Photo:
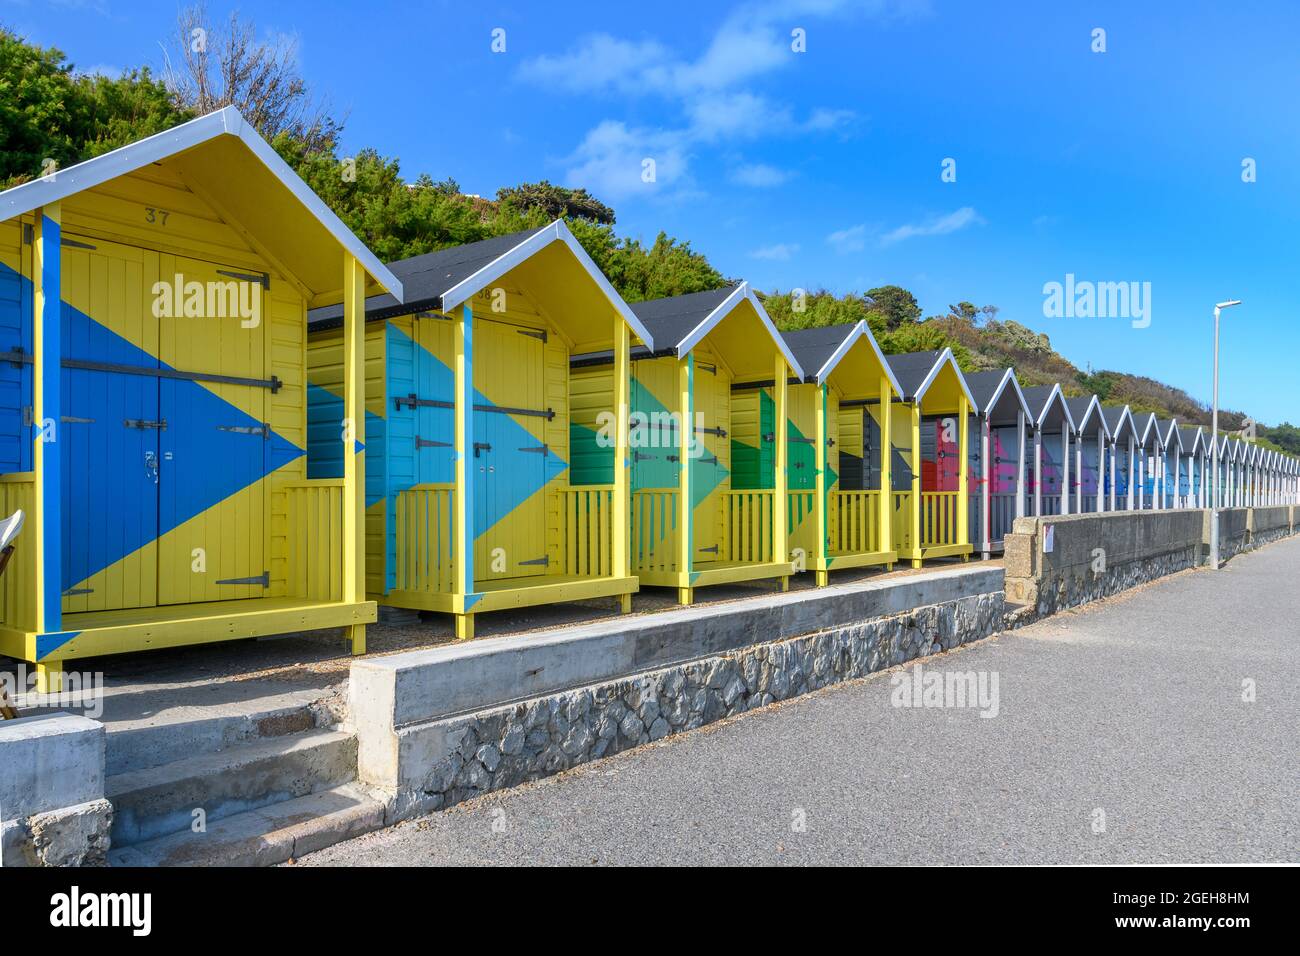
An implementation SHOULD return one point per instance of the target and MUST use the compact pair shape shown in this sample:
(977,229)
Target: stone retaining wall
(1058,562)
(435,763)
(1096,555)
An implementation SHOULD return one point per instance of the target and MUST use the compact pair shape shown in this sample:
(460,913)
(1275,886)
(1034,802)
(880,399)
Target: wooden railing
(425,526)
(1002,512)
(18,585)
(586,516)
(654,529)
(747,525)
(314,559)
(854,522)
(939,517)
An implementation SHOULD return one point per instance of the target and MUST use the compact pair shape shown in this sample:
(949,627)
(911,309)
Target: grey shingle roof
(1078,407)
(812,348)
(1036,396)
(672,319)
(911,368)
(426,277)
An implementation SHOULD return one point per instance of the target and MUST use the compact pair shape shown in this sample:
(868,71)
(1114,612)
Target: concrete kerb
(52,791)
(439,725)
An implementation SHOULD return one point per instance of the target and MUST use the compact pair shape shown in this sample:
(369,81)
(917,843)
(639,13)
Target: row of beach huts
(223,417)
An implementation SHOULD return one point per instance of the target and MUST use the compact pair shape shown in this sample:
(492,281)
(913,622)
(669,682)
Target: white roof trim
(742,292)
(1125,412)
(1146,430)
(1008,376)
(859,330)
(152,149)
(1054,395)
(944,356)
(471,285)
(1173,432)
(1095,403)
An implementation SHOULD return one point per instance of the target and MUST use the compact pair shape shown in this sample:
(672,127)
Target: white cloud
(938,226)
(824,119)
(760,175)
(610,159)
(709,90)
(599,63)
(852,239)
(780,252)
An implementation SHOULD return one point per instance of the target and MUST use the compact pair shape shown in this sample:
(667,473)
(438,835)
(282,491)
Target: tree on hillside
(210,67)
(51,114)
(976,315)
(667,267)
(556,202)
(817,309)
(895,307)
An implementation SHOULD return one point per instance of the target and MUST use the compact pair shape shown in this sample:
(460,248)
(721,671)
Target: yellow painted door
(709,460)
(510,452)
(108,435)
(216,445)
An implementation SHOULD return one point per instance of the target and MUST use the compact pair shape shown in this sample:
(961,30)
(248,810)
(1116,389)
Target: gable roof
(441,280)
(1118,417)
(997,388)
(1145,425)
(916,371)
(820,350)
(1045,398)
(678,323)
(1168,432)
(1085,410)
(1193,436)
(211,151)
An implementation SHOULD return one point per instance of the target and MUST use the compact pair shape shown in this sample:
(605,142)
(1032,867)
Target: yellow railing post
(686,539)
(354,437)
(619,517)
(463,554)
(916,484)
(780,524)
(820,502)
(963,471)
(886,503)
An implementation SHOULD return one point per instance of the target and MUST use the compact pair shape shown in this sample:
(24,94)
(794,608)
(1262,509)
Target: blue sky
(823,168)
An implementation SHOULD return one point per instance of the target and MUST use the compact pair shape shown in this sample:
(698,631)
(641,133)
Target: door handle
(151,465)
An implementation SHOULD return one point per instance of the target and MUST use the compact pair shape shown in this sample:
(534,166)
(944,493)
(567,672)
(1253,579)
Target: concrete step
(155,801)
(264,837)
(162,727)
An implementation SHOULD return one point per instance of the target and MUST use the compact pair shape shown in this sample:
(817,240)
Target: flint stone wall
(437,763)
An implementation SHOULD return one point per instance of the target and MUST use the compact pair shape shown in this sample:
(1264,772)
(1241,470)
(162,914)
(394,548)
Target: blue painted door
(109,433)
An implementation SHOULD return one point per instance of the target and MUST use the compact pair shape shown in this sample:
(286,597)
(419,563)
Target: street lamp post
(1214,427)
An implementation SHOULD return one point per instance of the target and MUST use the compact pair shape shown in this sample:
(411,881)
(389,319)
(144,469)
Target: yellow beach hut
(710,522)
(472,499)
(154,306)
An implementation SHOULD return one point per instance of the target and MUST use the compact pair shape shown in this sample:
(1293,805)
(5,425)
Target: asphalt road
(1132,708)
